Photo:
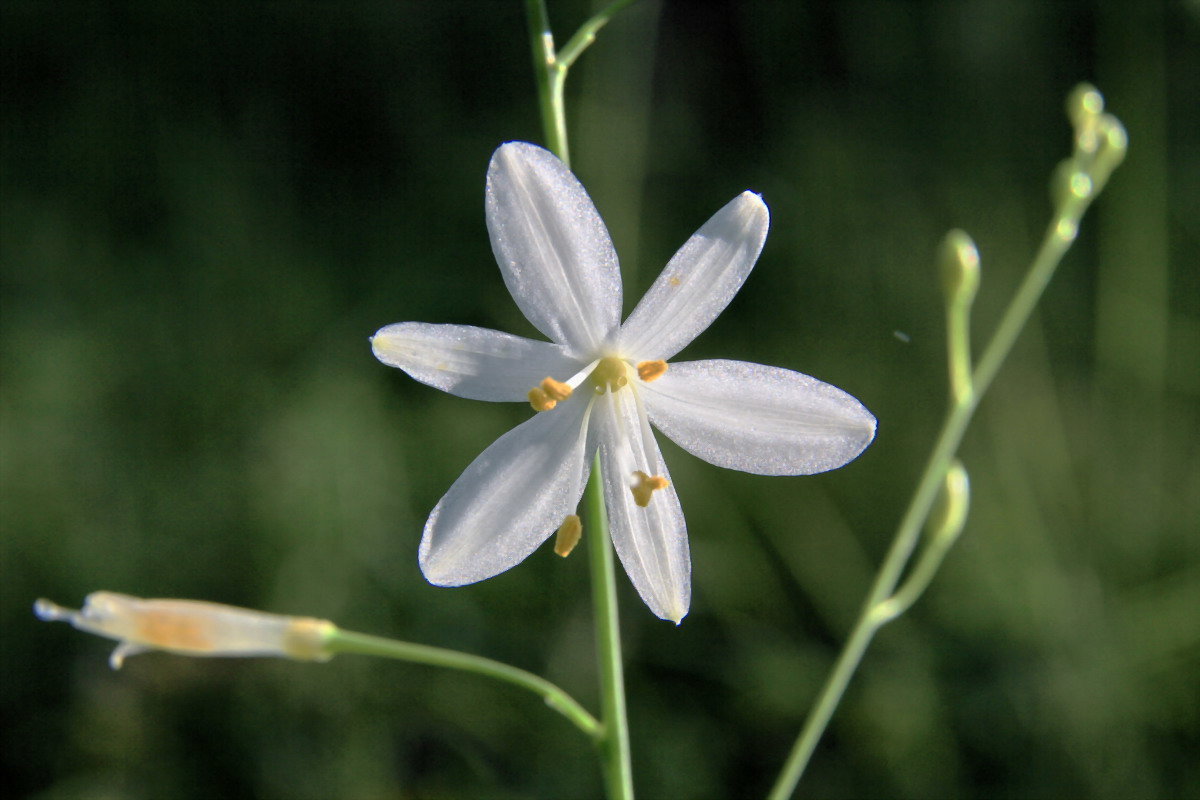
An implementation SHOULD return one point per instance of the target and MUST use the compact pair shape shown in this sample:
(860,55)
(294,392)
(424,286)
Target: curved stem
(586,34)
(340,641)
(1057,240)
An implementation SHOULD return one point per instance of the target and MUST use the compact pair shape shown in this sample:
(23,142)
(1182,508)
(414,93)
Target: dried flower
(192,628)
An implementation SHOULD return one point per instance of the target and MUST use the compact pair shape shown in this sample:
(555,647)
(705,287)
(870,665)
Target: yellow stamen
(651,370)
(646,486)
(609,375)
(546,396)
(568,535)
(556,390)
(540,400)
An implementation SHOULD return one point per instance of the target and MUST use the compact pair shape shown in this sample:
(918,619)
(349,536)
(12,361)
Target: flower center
(609,375)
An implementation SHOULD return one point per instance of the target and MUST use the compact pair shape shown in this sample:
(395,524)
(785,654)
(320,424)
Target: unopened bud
(1084,104)
(959,263)
(950,516)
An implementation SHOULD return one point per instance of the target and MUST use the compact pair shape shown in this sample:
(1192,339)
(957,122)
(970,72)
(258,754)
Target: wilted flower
(192,628)
(559,264)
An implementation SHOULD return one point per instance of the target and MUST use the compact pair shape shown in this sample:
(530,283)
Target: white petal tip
(753,203)
(674,615)
(440,575)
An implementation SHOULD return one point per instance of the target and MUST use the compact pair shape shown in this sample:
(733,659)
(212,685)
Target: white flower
(192,628)
(599,384)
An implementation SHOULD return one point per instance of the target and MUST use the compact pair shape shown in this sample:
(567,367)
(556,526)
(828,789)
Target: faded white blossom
(192,628)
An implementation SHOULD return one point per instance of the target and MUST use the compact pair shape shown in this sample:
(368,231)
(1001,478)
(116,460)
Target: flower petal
(475,363)
(555,254)
(509,501)
(699,281)
(753,418)
(652,541)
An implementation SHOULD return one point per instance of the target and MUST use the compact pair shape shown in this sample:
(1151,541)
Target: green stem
(1058,239)
(586,34)
(550,75)
(550,67)
(614,745)
(550,71)
(341,641)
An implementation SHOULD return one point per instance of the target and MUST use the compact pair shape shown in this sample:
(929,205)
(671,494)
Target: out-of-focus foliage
(208,208)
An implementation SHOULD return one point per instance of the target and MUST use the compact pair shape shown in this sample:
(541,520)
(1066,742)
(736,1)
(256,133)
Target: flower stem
(550,67)
(550,71)
(1100,146)
(340,641)
(550,75)
(614,744)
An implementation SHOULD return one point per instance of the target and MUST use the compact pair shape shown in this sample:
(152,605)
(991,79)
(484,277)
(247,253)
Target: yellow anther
(609,375)
(546,396)
(540,400)
(646,486)
(556,390)
(568,535)
(651,370)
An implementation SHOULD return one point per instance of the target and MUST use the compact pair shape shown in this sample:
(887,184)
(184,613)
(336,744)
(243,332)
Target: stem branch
(1100,146)
(341,641)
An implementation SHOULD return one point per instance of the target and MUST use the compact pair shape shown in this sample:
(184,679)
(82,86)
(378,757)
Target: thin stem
(958,330)
(614,744)
(587,32)
(550,67)
(550,71)
(1058,239)
(341,641)
(550,75)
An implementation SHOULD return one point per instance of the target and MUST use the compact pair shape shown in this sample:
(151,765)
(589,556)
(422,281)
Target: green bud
(1069,182)
(948,519)
(959,264)
(1083,104)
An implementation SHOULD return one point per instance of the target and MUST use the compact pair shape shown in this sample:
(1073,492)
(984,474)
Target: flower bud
(959,262)
(1084,102)
(950,515)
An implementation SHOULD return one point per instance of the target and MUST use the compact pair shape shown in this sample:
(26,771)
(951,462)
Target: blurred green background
(207,208)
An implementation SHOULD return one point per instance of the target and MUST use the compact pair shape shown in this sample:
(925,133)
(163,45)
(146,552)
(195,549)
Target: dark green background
(207,208)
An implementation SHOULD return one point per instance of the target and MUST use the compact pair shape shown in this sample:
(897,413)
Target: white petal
(555,254)
(765,420)
(509,501)
(651,542)
(475,363)
(699,281)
